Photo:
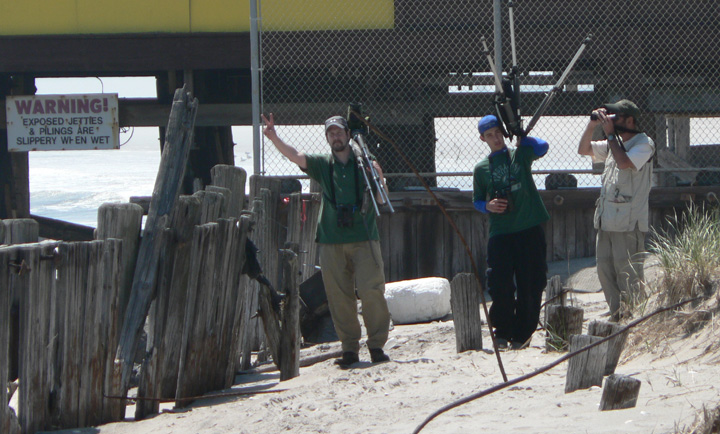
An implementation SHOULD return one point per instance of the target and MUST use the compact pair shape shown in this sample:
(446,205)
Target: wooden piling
(586,369)
(465,303)
(620,391)
(122,221)
(234,179)
(212,205)
(178,141)
(20,231)
(289,354)
(9,422)
(160,369)
(561,322)
(615,345)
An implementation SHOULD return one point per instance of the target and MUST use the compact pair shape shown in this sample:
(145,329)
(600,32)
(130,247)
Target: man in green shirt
(350,256)
(503,187)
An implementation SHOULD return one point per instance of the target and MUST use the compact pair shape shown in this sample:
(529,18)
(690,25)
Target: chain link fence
(419,70)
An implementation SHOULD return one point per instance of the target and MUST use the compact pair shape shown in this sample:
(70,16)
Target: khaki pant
(620,257)
(344,268)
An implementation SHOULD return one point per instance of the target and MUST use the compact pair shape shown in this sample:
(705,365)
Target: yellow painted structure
(73,17)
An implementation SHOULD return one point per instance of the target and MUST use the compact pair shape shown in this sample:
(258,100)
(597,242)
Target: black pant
(517,258)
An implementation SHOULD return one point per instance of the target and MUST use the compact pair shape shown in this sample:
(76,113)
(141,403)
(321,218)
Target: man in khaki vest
(621,216)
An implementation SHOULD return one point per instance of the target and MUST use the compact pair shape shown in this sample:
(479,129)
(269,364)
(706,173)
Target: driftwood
(212,205)
(178,141)
(561,323)
(586,369)
(620,391)
(465,303)
(615,345)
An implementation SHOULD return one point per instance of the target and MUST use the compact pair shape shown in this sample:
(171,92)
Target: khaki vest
(623,202)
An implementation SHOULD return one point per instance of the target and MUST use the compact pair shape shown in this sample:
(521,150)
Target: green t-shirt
(348,185)
(508,171)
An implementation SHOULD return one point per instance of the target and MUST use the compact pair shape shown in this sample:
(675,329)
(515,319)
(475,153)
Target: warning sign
(59,122)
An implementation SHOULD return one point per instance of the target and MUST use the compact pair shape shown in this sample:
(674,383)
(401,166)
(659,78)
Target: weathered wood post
(8,420)
(234,179)
(122,221)
(555,293)
(17,231)
(37,338)
(615,345)
(160,370)
(20,231)
(212,205)
(289,354)
(586,369)
(178,141)
(561,323)
(465,303)
(620,391)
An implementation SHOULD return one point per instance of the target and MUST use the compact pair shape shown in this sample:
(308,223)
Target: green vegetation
(689,254)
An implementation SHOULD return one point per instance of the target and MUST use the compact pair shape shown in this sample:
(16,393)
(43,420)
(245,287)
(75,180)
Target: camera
(594,117)
(345,216)
(504,194)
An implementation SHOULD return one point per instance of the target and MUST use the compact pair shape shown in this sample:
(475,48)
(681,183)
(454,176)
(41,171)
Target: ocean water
(71,185)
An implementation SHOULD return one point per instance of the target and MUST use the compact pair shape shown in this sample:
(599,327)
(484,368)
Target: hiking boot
(378,356)
(347,359)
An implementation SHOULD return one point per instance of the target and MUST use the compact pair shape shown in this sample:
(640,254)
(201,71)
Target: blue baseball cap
(489,121)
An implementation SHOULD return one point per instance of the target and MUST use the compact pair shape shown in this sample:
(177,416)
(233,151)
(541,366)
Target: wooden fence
(72,296)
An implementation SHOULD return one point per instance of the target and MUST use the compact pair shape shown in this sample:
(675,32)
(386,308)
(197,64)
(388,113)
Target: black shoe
(502,344)
(517,345)
(378,356)
(347,359)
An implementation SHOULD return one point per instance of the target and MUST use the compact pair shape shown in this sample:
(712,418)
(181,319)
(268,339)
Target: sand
(678,377)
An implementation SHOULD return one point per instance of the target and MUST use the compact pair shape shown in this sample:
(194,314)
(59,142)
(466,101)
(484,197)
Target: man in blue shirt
(503,187)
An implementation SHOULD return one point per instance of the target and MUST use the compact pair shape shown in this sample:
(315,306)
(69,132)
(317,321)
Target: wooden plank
(212,205)
(233,178)
(190,371)
(34,320)
(465,299)
(167,188)
(586,369)
(289,354)
(9,422)
(71,292)
(113,271)
(122,221)
(238,327)
(226,195)
(5,302)
(92,362)
(160,370)
(63,231)
(615,345)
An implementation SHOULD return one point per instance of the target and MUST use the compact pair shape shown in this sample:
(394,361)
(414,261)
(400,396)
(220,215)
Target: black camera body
(504,193)
(345,215)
